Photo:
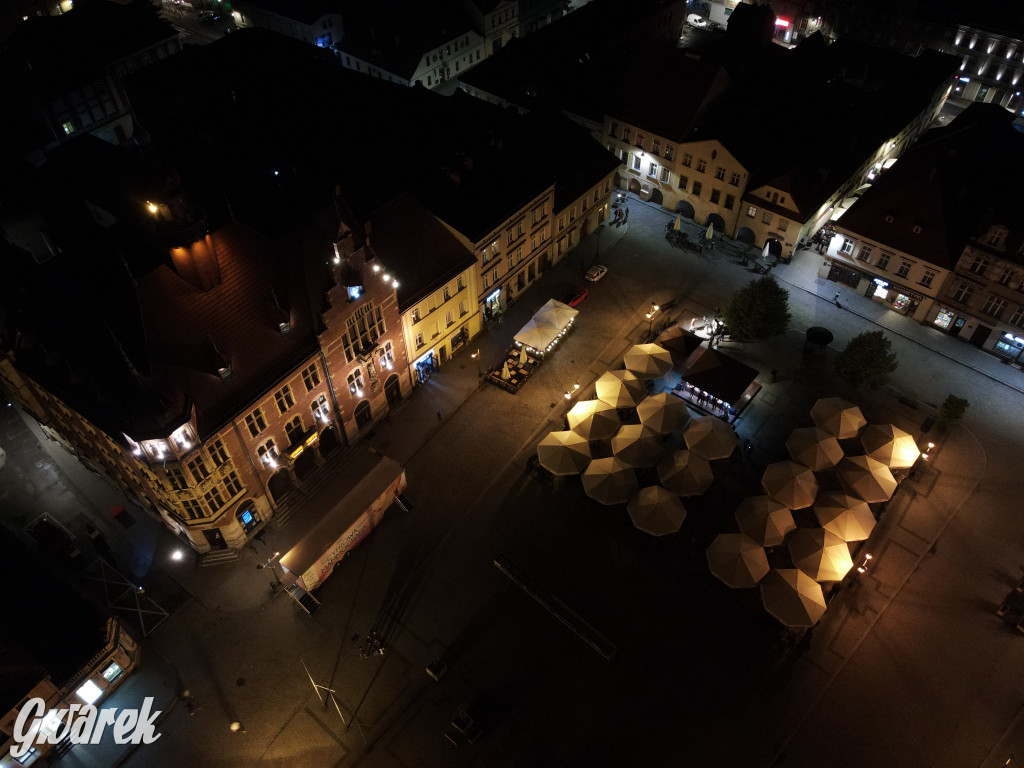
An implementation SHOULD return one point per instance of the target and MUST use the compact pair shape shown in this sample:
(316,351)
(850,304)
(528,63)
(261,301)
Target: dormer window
(224,371)
(284,328)
(354,292)
(995,237)
(183,437)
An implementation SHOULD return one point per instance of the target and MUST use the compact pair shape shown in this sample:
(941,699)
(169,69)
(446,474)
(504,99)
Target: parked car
(697,21)
(575,296)
(595,273)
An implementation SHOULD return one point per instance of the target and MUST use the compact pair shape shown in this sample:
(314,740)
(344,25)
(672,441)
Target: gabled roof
(304,11)
(571,63)
(417,249)
(396,34)
(581,161)
(188,329)
(640,99)
(57,54)
(945,185)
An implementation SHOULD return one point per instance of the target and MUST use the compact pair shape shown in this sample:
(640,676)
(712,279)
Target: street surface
(909,667)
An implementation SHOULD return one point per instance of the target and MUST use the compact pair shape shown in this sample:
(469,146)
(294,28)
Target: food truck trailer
(372,482)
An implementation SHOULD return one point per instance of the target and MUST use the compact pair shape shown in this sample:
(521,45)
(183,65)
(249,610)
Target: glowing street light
(570,392)
(476,357)
(650,320)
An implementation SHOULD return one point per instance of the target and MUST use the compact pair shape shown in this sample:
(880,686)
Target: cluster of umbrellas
(818,555)
(794,595)
(657,510)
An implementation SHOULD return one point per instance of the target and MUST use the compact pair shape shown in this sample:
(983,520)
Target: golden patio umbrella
(609,481)
(564,453)
(793,484)
(890,445)
(737,560)
(522,355)
(663,412)
(637,445)
(593,419)
(820,554)
(838,417)
(686,473)
(656,511)
(867,478)
(648,360)
(623,389)
(710,437)
(793,597)
(846,516)
(765,520)
(814,448)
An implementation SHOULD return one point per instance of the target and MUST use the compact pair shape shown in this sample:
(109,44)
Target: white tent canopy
(546,326)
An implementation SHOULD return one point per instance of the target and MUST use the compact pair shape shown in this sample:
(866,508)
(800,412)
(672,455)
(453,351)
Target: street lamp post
(476,357)
(271,563)
(650,321)
(570,392)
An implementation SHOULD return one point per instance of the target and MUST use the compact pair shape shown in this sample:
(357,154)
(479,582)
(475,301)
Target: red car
(576,296)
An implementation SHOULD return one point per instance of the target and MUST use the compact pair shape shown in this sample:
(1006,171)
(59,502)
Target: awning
(546,326)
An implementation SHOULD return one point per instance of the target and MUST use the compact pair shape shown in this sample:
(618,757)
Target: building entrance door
(215,538)
(980,335)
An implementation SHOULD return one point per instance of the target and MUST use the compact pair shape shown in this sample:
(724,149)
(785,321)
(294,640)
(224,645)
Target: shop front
(949,320)
(894,296)
(1010,347)
(425,366)
(492,306)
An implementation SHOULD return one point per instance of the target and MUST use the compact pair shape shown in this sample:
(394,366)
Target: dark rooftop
(945,186)
(395,34)
(305,11)
(418,249)
(60,53)
(57,632)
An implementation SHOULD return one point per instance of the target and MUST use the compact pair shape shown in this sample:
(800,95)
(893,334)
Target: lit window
(355,382)
(68,127)
(89,692)
(751,212)
(112,672)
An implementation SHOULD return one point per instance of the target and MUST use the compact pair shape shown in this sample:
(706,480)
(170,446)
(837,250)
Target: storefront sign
(82,724)
(881,283)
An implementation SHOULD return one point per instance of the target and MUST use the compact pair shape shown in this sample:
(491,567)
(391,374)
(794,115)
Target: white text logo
(83,724)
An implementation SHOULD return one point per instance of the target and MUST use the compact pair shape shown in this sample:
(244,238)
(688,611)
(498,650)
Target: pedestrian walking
(693,322)
(836,298)
(625,217)
(439,416)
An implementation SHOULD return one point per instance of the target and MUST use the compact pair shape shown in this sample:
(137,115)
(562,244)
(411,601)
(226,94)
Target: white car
(595,273)
(697,21)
